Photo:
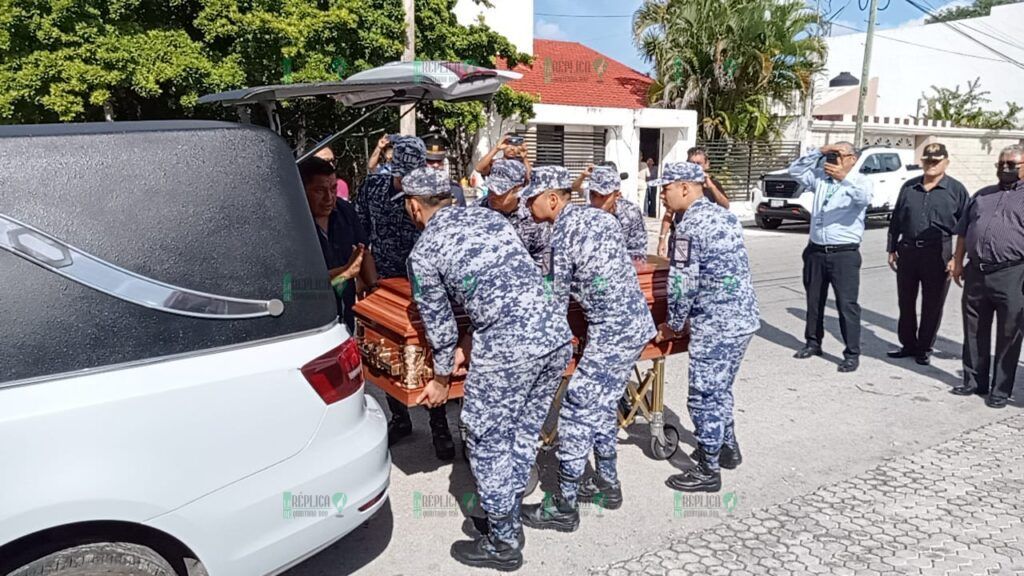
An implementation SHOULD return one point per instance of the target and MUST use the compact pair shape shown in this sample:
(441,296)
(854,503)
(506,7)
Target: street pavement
(879,471)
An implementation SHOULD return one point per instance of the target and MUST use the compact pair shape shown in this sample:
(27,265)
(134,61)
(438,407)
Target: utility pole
(865,75)
(408,124)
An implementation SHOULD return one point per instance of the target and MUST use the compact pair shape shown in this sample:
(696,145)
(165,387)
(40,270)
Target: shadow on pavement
(357,549)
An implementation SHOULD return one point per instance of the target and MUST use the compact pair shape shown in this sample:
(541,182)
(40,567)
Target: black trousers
(438,415)
(997,294)
(921,270)
(841,270)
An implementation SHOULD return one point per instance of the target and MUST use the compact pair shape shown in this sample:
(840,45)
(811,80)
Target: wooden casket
(396,354)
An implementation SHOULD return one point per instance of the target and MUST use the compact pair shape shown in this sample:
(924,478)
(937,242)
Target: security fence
(739,166)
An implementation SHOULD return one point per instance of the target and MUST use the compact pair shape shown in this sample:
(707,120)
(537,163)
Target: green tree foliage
(737,63)
(89,60)
(978,8)
(965,108)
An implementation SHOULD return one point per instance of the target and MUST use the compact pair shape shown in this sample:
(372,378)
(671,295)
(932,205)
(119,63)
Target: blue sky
(584,21)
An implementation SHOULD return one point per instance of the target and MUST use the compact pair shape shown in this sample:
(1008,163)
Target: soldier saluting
(520,348)
(709,285)
(590,263)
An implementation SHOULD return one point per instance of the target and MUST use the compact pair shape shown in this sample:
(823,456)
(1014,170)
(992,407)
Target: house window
(550,148)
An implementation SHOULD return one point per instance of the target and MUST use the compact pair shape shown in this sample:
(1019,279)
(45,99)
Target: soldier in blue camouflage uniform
(605,194)
(709,286)
(506,179)
(591,265)
(392,236)
(520,348)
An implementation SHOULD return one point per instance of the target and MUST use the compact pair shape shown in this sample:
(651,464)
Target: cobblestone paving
(953,509)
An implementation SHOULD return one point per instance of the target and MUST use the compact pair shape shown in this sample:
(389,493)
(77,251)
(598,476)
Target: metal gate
(553,145)
(739,166)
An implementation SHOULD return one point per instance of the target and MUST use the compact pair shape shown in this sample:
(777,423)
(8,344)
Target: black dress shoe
(602,493)
(807,352)
(398,428)
(923,359)
(487,552)
(964,390)
(849,365)
(899,353)
(700,478)
(993,402)
(552,514)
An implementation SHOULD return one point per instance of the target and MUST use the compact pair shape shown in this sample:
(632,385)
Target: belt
(830,248)
(926,243)
(987,268)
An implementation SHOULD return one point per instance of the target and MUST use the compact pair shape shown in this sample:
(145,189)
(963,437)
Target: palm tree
(733,61)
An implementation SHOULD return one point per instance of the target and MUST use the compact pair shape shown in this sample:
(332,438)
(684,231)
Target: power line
(968,36)
(1000,60)
(996,35)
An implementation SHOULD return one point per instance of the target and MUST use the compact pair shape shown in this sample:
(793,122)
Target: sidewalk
(953,509)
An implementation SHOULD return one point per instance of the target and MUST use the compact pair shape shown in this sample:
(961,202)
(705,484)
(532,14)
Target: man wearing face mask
(991,233)
(920,250)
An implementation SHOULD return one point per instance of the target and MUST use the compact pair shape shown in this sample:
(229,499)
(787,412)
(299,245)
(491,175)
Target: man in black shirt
(991,235)
(342,238)
(920,250)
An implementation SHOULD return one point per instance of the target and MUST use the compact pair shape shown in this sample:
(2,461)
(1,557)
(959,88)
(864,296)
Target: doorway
(650,147)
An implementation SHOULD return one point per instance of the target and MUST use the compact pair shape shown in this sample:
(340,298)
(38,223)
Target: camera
(832,158)
(514,140)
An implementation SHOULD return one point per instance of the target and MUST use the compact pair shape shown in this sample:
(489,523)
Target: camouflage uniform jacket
(591,265)
(633,228)
(709,282)
(471,256)
(392,234)
(536,236)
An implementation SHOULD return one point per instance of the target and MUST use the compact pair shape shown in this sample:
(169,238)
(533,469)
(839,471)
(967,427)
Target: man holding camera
(832,257)
(512,147)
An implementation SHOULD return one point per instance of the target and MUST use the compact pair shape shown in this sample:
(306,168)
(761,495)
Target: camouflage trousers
(587,419)
(714,363)
(503,410)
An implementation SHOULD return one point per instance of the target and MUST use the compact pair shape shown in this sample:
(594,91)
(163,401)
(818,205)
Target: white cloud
(920,20)
(548,30)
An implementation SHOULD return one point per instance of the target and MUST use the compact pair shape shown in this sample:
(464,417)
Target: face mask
(1007,179)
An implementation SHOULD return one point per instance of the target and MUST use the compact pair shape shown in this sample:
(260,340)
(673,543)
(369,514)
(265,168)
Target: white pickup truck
(781,198)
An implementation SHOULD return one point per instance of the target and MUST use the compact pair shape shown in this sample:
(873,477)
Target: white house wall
(906,71)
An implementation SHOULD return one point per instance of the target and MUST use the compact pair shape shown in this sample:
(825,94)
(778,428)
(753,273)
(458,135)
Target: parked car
(781,198)
(176,393)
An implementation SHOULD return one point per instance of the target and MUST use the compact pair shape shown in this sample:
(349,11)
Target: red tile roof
(572,74)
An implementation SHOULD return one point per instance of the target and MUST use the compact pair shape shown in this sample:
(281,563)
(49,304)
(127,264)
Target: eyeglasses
(1008,166)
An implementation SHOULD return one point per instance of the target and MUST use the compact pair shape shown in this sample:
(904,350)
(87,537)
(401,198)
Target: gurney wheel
(666,450)
(533,480)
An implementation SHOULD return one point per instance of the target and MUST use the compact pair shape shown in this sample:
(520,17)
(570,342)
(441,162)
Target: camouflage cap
(425,182)
(604,180)
(505,175)
(546,178)
(409,153)
(680,172)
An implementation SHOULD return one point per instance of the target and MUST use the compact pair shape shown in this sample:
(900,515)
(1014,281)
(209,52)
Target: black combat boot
(729,458)
(598,490)
(444,448)
(490,550)
(700,478)
(554,513)
(400,425)
(601,493)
